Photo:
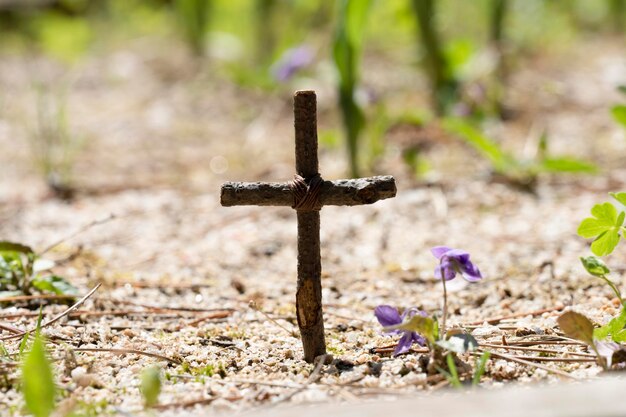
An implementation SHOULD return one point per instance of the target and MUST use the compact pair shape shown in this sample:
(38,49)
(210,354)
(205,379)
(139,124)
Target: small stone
(486,331)
(343,365)
(77,372)
(327,358)
(288,354)
(222,405)
(130,333)
(523,331)
(84,379)
(374,368)
(404,370)
(361,359)
(88,380)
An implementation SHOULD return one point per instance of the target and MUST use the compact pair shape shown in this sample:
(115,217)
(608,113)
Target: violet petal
(387,315)
(459,255)
(439,251)
(448,271)
(471,272)
(419,339)
(404,344)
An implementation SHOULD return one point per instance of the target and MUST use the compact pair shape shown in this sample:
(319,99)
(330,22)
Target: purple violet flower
(291,61)
(389,316)
(453,261)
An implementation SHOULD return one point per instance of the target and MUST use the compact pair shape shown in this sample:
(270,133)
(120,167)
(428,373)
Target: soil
(211,290)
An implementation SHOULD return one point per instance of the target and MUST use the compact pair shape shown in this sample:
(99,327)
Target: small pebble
(130,333)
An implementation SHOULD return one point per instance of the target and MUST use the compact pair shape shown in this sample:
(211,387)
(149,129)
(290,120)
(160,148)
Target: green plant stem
(618,294)
(443,85)
(497,17)
(599,357)
(266,39)
(617,8)
(497,11)
(453,377)
(445,307)
(480,368)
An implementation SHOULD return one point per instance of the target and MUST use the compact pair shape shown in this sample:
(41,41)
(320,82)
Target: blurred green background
(456,55)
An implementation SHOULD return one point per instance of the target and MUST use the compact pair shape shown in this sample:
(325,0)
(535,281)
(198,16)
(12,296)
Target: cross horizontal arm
(334,193)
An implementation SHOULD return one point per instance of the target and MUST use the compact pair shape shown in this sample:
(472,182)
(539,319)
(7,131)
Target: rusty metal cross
(307,194)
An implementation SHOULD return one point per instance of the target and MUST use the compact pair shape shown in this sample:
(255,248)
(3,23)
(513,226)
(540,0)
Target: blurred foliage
(38,384)
(194,17)
(150,385)
(521,172)
(466,49)
(440,71)
(619,111)
(346,51)
(53,146)
(21,270)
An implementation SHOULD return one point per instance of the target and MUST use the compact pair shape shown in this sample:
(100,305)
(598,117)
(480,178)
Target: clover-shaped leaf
(619,114)
(613,328)
(604,227)
(621,197)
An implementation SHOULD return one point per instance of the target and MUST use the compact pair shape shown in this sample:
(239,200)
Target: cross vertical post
(307,194)
(309,287)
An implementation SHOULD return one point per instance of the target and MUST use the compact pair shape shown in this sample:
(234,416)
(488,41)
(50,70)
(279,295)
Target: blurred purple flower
(453,261)
(389,316)
(291,61)
(606,350)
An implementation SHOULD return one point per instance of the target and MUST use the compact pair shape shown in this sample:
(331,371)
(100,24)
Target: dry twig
(78,232)
(56,318)
(129,351)
(529,363)
(530,349)
(495,320)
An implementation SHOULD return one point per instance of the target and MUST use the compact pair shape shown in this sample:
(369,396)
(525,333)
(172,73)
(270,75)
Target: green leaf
(602,332)
(54,284)
(604,226)
(500,160)
(620,336)
(23,343)
(556,165)
(595,266)
(64,37)
(6,246)
(348,39)
(37,381)
(621,197)
(422,325)
(614,327)
(619,114)
(453,377)
(479,370)
(576,326)
(459,343)
(605,243)
(346,52)
(151,386)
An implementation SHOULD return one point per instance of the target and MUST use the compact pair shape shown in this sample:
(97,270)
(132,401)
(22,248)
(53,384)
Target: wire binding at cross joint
(306,193)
